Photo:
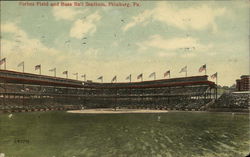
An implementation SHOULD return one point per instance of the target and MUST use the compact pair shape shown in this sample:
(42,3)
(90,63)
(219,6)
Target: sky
(109,41)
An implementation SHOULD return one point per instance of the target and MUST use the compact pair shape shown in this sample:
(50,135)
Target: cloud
(141,18)
(84,26)
(22,41)
(80,26)
(19,46)
(157,41)
(12,28)
(66,13)
(164,54)
(196,18)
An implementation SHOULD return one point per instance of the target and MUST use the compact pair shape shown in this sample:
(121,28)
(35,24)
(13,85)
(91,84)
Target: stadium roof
(34,79)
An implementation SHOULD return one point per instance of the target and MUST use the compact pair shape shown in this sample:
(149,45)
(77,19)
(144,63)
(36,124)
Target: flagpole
(186,71)
(55,72)
(0,54)
(217,79)
(40,69)
(130,78)
(23,67)
(23,86)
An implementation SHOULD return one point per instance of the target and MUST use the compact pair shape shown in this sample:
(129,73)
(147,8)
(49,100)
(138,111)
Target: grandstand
(233,101)
(31,92)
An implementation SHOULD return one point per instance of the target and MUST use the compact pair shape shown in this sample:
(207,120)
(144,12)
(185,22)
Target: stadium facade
(32,92)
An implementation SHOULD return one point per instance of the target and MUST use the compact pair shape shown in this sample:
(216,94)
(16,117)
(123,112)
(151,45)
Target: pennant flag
(3,61)
(38,67)
(202,68)
(65,72)
(152,75)
(20,64)
(128,77)
(214,75)
(139,76)
(100,78)
(184,69)
(83,75)
(167,73)
(114,79)
(76,75)
(54,69)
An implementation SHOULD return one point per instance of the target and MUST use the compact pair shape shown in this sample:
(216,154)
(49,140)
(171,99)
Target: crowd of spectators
(35,97)
(233,101)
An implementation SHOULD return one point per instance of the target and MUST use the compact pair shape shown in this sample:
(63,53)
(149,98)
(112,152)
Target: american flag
(20,64)
(214,75)
(2,61)
(65,72)
(139,76)
(54,69)
(167,73)
(128,77)
(38,67)
(152,74)
(184,69)
(203,67)
(100,78)
(83,76)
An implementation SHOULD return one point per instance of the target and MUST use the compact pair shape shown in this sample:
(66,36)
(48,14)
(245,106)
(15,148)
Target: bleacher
(237,100)
(24,91)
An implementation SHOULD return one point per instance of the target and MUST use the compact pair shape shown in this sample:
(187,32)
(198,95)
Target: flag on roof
(152,74)
(114,79)
(65,72)
(139,76)
(38,67)
(214,75)
(3,61)
(128,77)
(203,67)
(83,75)
(20,64)
(184,69)
(54,69)
(167,73)
(100,78)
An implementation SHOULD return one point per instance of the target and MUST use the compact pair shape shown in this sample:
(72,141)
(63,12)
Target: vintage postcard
(124,78)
